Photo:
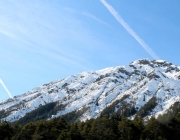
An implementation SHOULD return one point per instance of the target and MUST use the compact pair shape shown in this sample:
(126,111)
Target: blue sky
(45,40)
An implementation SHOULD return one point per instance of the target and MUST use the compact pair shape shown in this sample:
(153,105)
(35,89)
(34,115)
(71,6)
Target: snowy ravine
(92,92)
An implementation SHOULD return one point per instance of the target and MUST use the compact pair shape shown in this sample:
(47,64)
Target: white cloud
(129,29)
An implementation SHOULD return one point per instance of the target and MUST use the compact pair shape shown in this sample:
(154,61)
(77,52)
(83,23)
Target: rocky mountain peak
(144,87)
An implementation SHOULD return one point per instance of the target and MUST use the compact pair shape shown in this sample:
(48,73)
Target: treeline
(102,128)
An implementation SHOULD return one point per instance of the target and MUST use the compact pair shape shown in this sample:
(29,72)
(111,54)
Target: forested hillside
(102,128)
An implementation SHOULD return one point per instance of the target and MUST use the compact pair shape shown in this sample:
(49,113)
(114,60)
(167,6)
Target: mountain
(142,88)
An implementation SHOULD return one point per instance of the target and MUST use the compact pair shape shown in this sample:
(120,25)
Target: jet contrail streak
(2,83)
(129,30)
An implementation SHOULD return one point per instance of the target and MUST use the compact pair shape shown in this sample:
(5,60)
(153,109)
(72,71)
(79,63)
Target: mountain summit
(142,88)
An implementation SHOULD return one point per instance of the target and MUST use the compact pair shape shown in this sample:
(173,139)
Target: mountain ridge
(144,87)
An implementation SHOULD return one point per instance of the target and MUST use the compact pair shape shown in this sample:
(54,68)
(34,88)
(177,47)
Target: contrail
(2,83)
(96,18)
(129,29)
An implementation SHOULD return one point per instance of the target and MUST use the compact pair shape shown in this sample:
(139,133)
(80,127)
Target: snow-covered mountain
(126,90)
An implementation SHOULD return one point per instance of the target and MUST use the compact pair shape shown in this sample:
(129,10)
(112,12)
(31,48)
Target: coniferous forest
(102,128)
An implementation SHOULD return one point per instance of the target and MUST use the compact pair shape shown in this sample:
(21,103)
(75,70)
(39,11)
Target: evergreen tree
(6,131)
(153,130)
(64,136)
(27,132)
(127,130)
(74,132)
(16,130)
(174,128)
(103,129)
(139,127)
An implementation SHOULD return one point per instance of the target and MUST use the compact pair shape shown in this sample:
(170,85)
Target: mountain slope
(143,88)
